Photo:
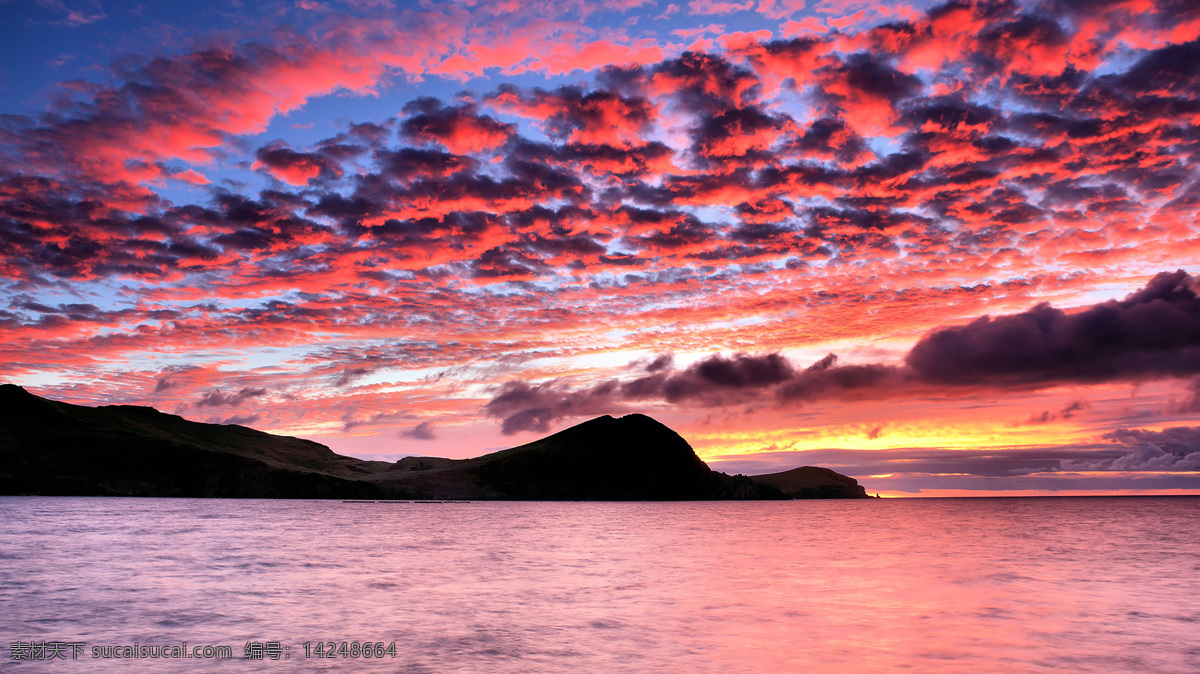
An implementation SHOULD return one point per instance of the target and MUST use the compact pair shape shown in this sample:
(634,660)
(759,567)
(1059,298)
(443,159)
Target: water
(947,585)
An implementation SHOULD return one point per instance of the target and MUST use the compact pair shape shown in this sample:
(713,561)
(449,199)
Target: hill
(55,448)
(606,459)
(813,482)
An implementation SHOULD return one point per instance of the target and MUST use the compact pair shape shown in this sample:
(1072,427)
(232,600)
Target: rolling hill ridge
(55,448)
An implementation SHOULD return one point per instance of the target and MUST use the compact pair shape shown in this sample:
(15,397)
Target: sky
(947,249)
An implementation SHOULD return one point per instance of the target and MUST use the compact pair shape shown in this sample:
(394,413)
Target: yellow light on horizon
(931,435)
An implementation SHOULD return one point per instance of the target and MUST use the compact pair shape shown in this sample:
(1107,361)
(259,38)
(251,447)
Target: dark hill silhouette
(627,459)
(813,482)
(55,448)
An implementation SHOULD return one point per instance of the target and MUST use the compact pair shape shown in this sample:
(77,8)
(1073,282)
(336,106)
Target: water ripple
(1081,585)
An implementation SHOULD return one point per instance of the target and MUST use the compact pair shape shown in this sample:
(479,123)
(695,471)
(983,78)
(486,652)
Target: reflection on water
(955,585)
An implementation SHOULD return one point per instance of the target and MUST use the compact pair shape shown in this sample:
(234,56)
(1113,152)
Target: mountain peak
(7,390)
(631,458)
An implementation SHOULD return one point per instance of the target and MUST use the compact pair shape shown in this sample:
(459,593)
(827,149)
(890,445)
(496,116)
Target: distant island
(55,448)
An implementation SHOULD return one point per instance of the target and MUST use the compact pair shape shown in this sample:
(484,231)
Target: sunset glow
(947,249)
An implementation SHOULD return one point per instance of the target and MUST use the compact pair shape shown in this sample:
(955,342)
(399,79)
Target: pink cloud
(780,9)
(710,7)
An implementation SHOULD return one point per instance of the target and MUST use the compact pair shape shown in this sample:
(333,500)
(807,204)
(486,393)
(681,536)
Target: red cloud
(295,168)
(191,176)
(1029,152)
(460,129)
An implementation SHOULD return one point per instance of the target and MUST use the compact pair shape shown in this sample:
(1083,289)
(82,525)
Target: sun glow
(972,436)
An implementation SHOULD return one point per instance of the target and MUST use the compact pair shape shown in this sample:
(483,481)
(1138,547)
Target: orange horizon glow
(1035,493)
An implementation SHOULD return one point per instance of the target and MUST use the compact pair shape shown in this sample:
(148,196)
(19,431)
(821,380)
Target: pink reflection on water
(956,585)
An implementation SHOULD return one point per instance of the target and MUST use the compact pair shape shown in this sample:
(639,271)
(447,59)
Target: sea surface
(938,585)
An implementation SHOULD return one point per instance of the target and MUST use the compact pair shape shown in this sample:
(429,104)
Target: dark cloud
(1191,404)
(460,128)
(823,219)
(374,135)
(714,381)
(217,398)
(1171,449)
(1152,333)
(298,168)
(1169,71)
(1070,410)
(826,379)
(661,362)
(573,244)
(499,263)
(617,161)
(349,375)
(408,163)
(525,407)
(270,222)
(1128,123)
(868,74)
(831,137)
(50,227)
(737,132)
(422,431)
(704,83)
(865,90)
(241,420)
(739,371)
(600,117)
(688,233)
(950,113)
(1001,42)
